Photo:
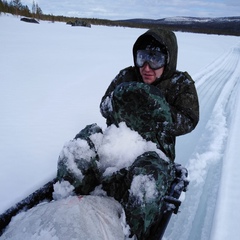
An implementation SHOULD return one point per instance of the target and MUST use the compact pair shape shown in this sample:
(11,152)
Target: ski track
(218,89)
(231,165)
(209,155)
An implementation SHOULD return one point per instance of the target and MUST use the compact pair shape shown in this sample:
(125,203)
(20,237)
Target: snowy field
(52,78)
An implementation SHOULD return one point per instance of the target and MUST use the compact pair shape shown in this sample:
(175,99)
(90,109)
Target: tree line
(16,7)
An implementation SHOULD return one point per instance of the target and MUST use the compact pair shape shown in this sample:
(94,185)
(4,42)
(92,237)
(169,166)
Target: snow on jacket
(176,87)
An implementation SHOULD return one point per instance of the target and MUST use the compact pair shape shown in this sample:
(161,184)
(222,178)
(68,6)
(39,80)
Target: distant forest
(16,7)
(220,26)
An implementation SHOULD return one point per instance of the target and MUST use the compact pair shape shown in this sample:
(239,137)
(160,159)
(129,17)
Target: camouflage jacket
(177,88)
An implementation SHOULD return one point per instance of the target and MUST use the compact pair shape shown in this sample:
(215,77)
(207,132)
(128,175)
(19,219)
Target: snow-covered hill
(220,25)
(51,81)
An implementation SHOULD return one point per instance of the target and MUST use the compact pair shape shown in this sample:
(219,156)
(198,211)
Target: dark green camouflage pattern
(83,185)
(158,112)
(140,214)
(143,108)
(89,179)
(177,88)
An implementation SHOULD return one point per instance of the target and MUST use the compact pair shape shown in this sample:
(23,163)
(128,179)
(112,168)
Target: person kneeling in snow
(159,103)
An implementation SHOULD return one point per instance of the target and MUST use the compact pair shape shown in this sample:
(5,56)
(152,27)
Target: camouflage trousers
(140,188)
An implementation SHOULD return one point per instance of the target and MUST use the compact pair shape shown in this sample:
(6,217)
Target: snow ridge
(211,162)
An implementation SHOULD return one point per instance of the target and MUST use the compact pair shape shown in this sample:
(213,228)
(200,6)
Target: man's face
(149,75)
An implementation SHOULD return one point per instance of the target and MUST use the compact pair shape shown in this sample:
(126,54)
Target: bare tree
(17,6)
(33,8)
(38,12)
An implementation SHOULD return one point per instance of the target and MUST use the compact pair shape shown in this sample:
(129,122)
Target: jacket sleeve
(124,75)
(183,100)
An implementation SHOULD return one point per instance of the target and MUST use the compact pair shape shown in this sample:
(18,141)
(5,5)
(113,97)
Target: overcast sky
(125,9)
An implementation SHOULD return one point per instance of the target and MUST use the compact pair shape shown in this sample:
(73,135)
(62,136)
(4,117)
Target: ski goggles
(155,59)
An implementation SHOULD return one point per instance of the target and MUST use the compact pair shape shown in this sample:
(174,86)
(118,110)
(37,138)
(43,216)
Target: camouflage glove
(141,106)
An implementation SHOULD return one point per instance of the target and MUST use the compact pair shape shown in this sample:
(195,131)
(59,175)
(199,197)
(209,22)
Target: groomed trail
(43,105)
(212,164)
(210,158)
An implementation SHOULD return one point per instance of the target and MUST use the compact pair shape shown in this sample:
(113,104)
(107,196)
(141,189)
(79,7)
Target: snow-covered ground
(52,78)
